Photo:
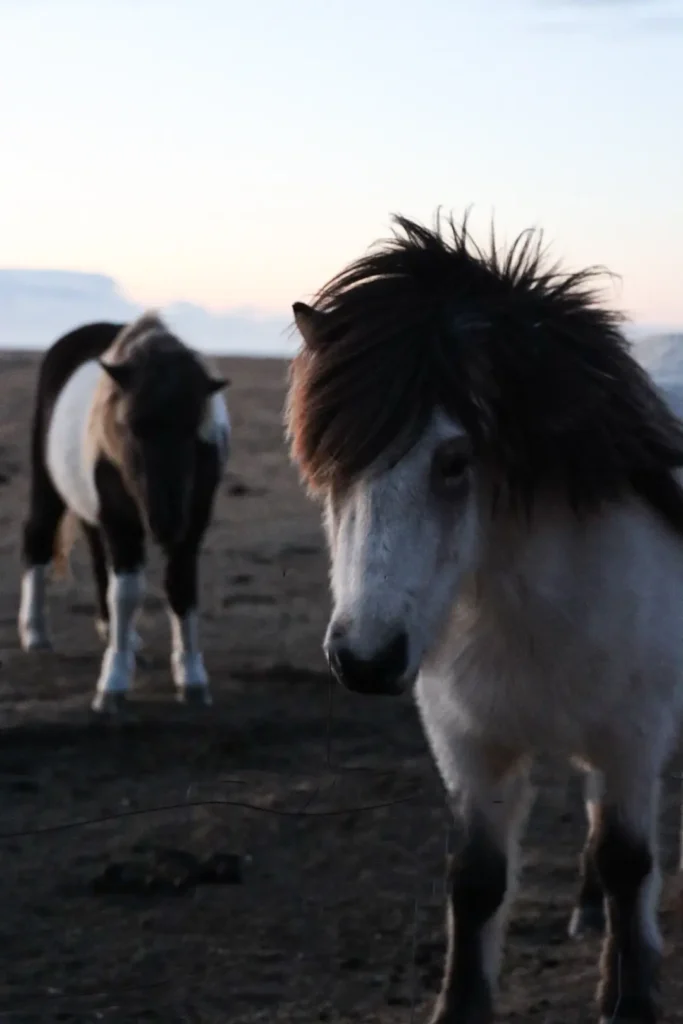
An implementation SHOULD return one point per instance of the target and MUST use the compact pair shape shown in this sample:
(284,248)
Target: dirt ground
(204,910)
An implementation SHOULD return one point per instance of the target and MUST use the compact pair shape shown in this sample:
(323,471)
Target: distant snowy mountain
(661,354)
(36,306)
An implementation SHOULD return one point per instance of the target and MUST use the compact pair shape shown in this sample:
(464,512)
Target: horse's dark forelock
(169,376)
(169,379)
(523,355)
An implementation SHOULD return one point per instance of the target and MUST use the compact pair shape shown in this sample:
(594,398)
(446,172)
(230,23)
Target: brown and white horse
(504,515)
(130,437)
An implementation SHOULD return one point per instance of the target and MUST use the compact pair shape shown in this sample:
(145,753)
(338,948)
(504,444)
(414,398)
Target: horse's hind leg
(46,509)
(98,555)
(589,910)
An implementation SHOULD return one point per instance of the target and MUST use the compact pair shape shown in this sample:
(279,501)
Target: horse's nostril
(381,673)
(337,635)
(333,659)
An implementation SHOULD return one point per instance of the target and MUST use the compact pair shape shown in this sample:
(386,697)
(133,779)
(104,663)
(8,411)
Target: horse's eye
(451,462)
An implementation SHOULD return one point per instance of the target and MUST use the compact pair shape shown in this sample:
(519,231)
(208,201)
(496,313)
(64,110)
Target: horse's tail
(65,538)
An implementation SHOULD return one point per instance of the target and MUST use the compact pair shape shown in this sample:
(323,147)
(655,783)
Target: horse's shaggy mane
(523,355)
(128,339)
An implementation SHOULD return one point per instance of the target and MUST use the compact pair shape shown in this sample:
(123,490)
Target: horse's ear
(309,323)
(120,373)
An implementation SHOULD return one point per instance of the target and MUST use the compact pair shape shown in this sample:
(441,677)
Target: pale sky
(239,153)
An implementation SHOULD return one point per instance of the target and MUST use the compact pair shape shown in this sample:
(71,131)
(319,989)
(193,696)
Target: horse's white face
(400,543)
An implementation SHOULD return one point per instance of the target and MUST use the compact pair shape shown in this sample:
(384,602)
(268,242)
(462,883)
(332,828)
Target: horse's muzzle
(167,530)
(384,674)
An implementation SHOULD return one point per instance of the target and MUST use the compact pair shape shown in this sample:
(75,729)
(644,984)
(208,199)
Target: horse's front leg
(625,851)
(588,914)
(98,555)
(490,807)
(124,597)
(187,663)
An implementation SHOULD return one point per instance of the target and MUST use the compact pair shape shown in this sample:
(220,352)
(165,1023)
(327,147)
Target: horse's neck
(559,569)
(522,566)
(101,434)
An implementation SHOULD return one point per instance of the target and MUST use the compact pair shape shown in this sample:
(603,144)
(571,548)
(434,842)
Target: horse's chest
(527,690)
(67,453)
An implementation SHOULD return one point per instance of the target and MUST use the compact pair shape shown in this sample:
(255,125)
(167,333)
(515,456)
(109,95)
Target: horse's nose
(166,530)
(167,517)
(382,673)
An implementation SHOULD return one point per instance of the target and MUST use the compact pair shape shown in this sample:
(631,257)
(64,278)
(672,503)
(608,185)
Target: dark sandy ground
(334,918)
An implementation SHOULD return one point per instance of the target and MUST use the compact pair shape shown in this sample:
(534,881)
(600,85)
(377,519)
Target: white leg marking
(102,630)
(594,794)
(648,906)
(650,891)
(187,663)
(584,917)
(118,664)
(33,633)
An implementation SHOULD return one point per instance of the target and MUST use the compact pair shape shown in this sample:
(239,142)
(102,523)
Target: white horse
(506,528)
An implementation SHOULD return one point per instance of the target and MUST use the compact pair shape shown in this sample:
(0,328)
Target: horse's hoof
(588,920)
(112,703)
(482,1011)
(630,1019)
(34,643)
(194,696)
